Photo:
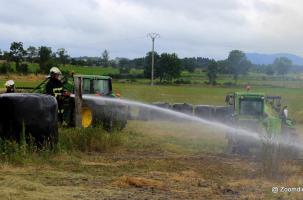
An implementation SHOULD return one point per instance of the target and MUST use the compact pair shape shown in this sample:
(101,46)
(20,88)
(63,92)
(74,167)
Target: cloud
(209,28)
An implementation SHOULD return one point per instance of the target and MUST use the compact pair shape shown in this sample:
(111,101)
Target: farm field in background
(289,88)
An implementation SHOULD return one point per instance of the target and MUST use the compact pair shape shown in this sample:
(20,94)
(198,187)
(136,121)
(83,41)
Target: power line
(153,36)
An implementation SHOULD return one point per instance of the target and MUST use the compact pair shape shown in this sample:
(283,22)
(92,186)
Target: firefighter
(284,114)
(54,87)
(10,86)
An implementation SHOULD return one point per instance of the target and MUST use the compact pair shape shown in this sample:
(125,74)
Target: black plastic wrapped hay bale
(160,115)
(183,108)
(223,113)
(37,112)
(205,111)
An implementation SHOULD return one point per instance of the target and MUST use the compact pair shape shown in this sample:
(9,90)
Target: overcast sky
(206,28)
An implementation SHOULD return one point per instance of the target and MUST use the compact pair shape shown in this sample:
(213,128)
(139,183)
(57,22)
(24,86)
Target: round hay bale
(37,113)
(144,114)
(162,105)
(158,114)
(183,108)
(222,113)
(205,111)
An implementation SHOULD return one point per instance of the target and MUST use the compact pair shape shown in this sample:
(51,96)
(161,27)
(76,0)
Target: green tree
(45,58)
(212,70)
(105,58)
(124,66)
(269,70)
(189,64)
(282,65)
(62,56)
(6,56)
(169,67)
(5,68)
(237,63)
(32,53)
(148,63)
(17,53)
(223,67)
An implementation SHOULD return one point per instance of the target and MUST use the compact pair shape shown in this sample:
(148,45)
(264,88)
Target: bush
(124,70)
(229,84)
(126,76)
(22,68)
(182,81)
(208,83)
(5,68)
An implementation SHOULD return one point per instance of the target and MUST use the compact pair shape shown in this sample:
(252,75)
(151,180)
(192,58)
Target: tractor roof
(250,94)
(93,76)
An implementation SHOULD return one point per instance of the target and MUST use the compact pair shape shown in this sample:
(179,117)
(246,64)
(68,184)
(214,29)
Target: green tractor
(94,112)
(257,113)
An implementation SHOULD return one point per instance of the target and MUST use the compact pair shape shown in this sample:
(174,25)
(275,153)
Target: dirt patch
(139,182)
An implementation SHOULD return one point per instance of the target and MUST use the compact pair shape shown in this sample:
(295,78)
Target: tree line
(167,66)
(42,55)
(237,64)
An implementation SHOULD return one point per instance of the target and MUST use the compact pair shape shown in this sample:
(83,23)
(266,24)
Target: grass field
(150,160)
(153,160)
(202,94)
(195,94)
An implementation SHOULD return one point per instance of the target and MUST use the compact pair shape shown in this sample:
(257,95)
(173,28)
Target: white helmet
(55,70)
(9,83)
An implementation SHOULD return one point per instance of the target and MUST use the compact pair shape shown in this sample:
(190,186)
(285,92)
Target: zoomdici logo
(286,189)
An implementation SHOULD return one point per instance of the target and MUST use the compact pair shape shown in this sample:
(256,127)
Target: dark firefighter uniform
(54,87)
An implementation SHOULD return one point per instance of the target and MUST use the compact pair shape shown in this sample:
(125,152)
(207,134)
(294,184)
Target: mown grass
(142,165)
(154,136)
(93,164)
(174,137)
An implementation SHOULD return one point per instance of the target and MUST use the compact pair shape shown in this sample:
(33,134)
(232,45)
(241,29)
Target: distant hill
(257,58)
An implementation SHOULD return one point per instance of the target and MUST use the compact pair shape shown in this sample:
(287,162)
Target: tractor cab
(97,85)
(91,84)
(249,104)
(246,104)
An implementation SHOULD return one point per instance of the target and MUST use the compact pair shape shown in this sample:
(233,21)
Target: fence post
(78,101)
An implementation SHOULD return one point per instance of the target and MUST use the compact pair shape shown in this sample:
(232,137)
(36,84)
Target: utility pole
(153,36)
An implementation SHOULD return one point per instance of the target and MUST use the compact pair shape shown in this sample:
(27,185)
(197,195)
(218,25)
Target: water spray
(239,131)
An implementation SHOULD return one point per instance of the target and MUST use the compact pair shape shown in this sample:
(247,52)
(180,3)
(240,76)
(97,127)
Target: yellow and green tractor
(260,114)
(94,112)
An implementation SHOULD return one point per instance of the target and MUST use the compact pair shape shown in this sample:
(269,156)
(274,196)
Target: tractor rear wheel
(87,117)
(114,118)
(111,117)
